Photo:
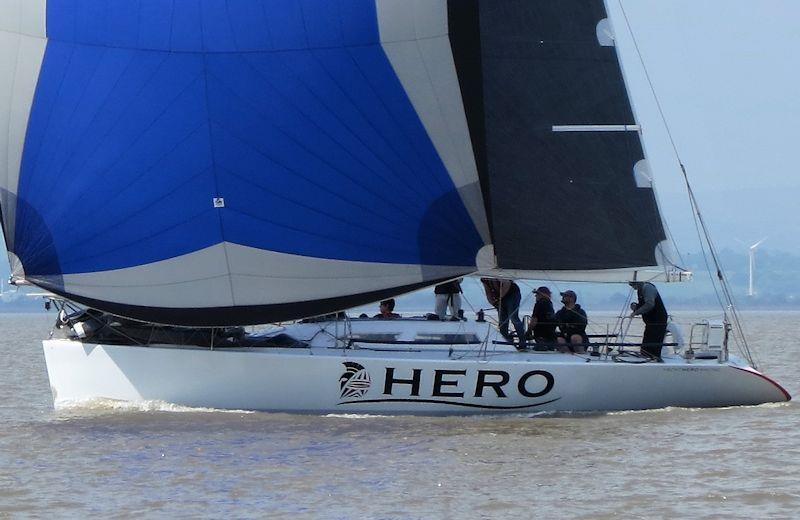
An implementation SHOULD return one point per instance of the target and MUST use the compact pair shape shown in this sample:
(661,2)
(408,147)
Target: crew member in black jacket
(654,315)
(542,327)
(572,321)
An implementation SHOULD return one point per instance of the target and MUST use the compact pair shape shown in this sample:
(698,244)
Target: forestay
(219,163)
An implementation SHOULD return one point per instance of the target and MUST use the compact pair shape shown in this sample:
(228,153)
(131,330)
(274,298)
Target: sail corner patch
(17,269)
(486,259)
(664,253)
(605,33)
(642,174)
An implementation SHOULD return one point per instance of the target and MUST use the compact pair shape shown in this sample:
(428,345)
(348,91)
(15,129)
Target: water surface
(160,460)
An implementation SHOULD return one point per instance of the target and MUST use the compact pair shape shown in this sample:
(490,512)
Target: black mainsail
(554,136)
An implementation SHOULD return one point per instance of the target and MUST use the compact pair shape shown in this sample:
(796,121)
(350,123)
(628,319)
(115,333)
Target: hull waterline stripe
(762,376)
(467,405)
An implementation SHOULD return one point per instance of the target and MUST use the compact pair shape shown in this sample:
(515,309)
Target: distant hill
(737,217)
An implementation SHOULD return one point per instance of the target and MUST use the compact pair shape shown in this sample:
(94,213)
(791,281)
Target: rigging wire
(704,237)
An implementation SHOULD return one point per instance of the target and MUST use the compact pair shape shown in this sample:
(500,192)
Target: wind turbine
(752,257)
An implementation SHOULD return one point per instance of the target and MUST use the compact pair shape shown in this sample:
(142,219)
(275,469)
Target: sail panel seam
(322,159)
(212,151)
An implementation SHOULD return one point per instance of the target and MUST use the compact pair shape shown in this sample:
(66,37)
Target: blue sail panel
(288,110)
(122,151)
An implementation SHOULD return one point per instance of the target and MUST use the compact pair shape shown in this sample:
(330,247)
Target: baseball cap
(570,294)
(543,290)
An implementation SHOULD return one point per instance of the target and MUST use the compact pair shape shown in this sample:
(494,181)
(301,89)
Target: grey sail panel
(557,200)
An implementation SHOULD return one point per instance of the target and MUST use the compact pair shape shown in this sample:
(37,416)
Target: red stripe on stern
(762,376)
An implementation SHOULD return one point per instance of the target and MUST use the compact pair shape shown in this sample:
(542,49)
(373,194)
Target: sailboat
(175,171)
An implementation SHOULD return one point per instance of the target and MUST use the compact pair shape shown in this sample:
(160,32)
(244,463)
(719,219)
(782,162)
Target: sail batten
(596,128)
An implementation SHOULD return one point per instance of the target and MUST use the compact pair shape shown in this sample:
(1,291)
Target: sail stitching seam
(212,150)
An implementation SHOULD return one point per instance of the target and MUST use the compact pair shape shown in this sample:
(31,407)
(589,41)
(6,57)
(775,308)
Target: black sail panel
(557,200)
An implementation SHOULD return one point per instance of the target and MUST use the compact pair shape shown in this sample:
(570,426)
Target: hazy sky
(726,75)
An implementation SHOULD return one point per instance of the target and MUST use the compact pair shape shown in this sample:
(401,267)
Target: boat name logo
(483,389)
(355,381)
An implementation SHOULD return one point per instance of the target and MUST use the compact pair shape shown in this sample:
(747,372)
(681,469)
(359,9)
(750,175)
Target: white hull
(431,380)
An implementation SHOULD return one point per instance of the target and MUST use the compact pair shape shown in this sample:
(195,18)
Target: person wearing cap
(542,327)
(572,323)
(504,295)
(654,315)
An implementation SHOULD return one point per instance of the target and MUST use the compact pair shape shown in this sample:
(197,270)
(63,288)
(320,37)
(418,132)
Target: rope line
(704,237)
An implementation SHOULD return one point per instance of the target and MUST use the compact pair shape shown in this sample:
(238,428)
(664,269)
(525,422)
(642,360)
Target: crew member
(572,323)
(542,327)
(654,315)
(448,295)
(504,295)
(387,310)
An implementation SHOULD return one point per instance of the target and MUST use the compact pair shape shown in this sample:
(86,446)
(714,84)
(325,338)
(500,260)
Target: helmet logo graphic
(355,381)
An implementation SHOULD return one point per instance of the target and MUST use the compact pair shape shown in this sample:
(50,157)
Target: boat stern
(762,388)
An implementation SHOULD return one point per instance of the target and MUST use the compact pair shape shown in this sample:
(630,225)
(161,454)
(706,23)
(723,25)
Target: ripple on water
(107,458)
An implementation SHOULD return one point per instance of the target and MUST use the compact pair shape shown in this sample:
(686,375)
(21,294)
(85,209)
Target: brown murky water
(166,461)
